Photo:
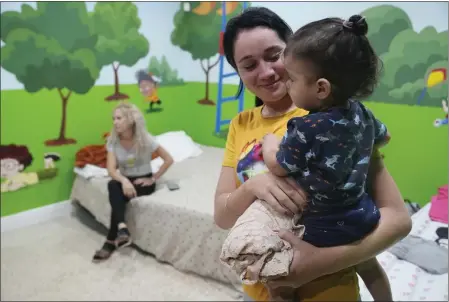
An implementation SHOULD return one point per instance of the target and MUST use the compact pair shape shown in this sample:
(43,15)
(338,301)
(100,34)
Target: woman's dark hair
(341,53)
(251,18)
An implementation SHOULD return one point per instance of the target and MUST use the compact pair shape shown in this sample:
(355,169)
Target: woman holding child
(254,44)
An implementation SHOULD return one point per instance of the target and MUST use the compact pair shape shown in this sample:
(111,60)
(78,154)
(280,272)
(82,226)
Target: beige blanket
(254,250)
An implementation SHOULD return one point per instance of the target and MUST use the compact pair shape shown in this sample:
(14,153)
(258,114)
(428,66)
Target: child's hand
(270,142)
(270,147)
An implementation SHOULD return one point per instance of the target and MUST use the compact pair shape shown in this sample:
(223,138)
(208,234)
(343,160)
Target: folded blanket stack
(254,250)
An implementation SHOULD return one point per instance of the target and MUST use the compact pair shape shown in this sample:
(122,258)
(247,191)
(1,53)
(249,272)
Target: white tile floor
(52,261)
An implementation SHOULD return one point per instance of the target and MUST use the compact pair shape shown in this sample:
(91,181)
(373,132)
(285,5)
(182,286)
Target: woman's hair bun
(357,24)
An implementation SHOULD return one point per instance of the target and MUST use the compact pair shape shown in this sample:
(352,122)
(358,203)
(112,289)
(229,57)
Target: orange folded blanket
(92,154)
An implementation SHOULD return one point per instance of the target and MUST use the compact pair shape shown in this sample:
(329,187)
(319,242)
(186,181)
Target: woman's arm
(167,159)
(230,202)
(282,194)
(395,223)
(111,165)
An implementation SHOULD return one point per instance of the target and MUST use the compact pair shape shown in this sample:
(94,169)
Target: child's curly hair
(340,53)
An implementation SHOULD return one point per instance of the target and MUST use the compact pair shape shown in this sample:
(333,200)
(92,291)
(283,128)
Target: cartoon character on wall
(148,84)
(50,158)
(14,159)
(440,122)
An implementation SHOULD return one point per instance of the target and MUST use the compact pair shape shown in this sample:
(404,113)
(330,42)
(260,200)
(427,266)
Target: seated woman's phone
(171,185)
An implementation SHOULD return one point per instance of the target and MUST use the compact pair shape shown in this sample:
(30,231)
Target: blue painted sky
(157,27)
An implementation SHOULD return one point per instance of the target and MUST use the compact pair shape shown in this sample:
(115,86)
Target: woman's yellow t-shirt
(245,131)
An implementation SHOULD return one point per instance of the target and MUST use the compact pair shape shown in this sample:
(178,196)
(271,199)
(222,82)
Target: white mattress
(409,282)
(177,227)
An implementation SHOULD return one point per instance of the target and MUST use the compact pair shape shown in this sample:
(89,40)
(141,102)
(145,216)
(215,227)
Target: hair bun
(357,24)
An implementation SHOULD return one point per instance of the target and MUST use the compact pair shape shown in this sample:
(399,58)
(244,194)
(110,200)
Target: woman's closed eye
(274,57)
(249,66)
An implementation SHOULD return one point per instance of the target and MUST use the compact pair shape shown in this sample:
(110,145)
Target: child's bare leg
(375,279)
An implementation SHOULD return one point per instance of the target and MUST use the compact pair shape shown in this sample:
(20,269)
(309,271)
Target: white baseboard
(34,216)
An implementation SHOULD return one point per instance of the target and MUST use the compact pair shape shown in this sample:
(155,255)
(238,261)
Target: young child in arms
(330,63)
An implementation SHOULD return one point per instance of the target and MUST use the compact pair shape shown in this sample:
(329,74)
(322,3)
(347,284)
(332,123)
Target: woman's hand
(128,189)
(300,270)
(145,181)
(281,193)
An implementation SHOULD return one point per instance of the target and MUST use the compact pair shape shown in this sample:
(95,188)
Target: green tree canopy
(51,47)
(406,55)
(412,91)
(163,70)
(199,35)
(119,43)
(385,22)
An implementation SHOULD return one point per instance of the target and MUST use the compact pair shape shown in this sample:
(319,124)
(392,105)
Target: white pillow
(179,145)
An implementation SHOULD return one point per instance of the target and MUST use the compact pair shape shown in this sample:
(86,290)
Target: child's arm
(270,147)
(290,154)
(375,279)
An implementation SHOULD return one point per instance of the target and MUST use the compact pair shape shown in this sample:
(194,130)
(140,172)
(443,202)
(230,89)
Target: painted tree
(51,47)
(198,33)
(406,55)
(385,22)
(163,70)
(119,41)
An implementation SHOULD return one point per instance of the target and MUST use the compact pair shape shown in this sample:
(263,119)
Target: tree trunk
(117,94)
(206,100)
(206,97)
(62,140)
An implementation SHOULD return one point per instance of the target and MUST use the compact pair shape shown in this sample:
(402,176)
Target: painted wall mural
(163,57)
(410,58)
(442,121)
(119,40)
(197,31)
(63,57)
(14,160)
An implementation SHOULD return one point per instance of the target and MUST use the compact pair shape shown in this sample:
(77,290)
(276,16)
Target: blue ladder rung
(225,122)
(228,99)
(227,75)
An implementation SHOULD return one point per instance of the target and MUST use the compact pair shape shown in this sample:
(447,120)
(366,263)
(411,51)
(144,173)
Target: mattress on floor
(408,281)
(176,226)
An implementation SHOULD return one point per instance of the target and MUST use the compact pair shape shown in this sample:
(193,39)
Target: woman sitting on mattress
(130,148)
(253,44)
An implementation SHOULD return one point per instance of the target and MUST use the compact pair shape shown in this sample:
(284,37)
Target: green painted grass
(417,155)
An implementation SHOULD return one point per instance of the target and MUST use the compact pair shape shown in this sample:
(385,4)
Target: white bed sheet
(408,281)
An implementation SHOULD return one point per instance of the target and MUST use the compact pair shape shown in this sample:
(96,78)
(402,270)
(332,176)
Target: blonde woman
(130,149)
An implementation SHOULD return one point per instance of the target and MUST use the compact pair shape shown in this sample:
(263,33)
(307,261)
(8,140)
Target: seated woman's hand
(128,189)
(144,181)
(282,193)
